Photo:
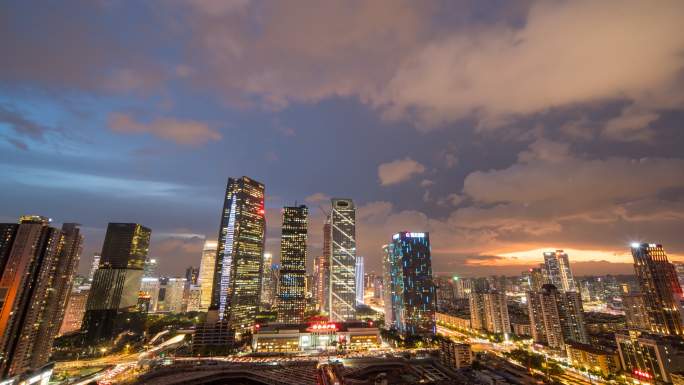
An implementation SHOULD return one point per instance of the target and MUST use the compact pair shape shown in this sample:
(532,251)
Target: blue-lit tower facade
(239,258)
(410,303)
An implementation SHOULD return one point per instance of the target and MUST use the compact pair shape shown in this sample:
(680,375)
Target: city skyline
(494,162)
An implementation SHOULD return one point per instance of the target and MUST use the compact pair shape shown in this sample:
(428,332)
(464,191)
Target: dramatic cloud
(398,171)
(186,132)
(20,124)
(565,54)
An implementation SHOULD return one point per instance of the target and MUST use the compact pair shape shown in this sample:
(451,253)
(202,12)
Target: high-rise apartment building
(112,304)
(342,288)
(410,288)
(239,260)
(660,288)
(206,273)
(535,278)
(558,271)
(360,281)
(292,291)
(34,285)
(192,275)
(636,316)
(75,310)
(268,290)
(556,317)
(489,311)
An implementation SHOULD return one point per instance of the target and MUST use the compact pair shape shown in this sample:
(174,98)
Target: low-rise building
(458,321)
(297,338)
(454,354)
(593,358)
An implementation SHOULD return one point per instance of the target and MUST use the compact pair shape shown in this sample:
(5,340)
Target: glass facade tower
(342,292)
(292,289)
(410,288)
(239,258)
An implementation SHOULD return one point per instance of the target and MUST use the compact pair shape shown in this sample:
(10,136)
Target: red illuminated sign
(642,374)
(322,327)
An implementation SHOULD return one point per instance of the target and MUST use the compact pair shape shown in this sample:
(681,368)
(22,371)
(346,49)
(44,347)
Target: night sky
(501,127)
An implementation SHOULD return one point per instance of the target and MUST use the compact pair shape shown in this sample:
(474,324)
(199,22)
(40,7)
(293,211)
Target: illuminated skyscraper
(410,288)
(292,291)
(75,309)
(93,267)
(659,286)
(268,291)
(342,295)
(206,273)
(112,304)
(557,268)
(636,315)
(359,280)
(37,276)
(239,261)
(321,268)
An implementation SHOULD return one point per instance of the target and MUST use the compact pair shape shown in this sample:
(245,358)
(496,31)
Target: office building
(556,318)
(648,357)
(206,273)
(378,287)
(239,260)
(112,304)
(150,268)
(636,316)
(660,288)
(360,280)
(38,267)
(321,267)
(192,275)
(489,312)
(342,290)
(268,292)
(93,267)
(75,310)
(193,298)
(292,290)
(410,288)
(557,268)
(174,300)
(149,288)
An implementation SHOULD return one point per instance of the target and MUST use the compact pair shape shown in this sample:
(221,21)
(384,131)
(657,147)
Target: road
(480,345)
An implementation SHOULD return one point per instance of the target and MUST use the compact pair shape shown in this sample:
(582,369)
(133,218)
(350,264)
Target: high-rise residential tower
(342,288)
(206,273)
(112,303)
(557,268)
(35,282)
(489,311)
(360,281)
(410,289)
(292,290)
(556,317)
(239,258)
(660,288)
